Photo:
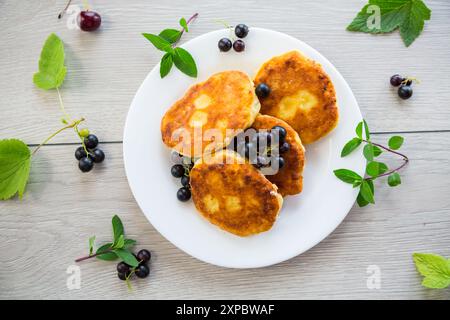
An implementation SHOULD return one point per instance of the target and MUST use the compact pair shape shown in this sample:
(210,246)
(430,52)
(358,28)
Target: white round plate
(305,219)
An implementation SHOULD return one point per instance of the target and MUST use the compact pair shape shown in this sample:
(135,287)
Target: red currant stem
(405,160)
(60,15)
(71,125)
(93,255)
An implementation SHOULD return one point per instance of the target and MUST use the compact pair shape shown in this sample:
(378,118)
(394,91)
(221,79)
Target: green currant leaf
(394,179)
(91,244)
(434,268)
(395,142)
(185,62)
(368,152)
(350,146)
(127,257)
(117,228)
(367,192)
(366,130)
(360,199)
(376,151)
(159,42)
(374,168)
(183,23)
(107,256)
(358,130)
(347,176)
(166,64)
(171,35)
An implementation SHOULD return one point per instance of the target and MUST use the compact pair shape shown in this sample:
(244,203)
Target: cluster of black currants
(261,148)
(181,169)
(125,271)
(95,155)
(225,44)
(405,90)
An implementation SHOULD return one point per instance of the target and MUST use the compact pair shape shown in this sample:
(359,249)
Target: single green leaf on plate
(166,65)
(360,199)
(120,242)
(395,142)
(368,152)
(52,71)
(367,191)
(350,146)
(171,35)
(128,243)
(376,151)
(434,268)
(159,42)
(394,179)
(347,176)
(183,23)
(184,62)
(374,168)
(106,255)
(127,257)
(358,130)
(117,228)
(91,244)
(366,130)
(382,16)
(15,162)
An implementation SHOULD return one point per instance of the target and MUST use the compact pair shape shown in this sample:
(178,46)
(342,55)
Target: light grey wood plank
(106,68)
(41,235)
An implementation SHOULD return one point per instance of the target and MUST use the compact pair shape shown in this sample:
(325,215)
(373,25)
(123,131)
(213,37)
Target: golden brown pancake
(302,94)
(289,179)
(234,195)
(224,101)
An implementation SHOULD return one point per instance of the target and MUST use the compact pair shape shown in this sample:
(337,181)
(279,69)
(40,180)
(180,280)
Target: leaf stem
(195,15)
(60,15)
(61,105)
(71,125)
(405,160)
(92,255)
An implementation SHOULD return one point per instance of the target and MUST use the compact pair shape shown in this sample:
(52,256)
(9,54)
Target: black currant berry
(262,90)
(86,164)
(98,155)
(184,194)
(241,30)
(405,91)
(225,44)
(185,181)
(122,267)
(396,80)
(80,153)
(142,271)
(239,46)
(144,255)
(177,170)
(91,141)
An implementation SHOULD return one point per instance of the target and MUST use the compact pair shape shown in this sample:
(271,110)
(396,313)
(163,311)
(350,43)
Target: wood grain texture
(106,68)
(41,235)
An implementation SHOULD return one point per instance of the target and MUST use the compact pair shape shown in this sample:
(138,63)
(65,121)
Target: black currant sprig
(405,90)
(240,31)
(88,153)
(181,169)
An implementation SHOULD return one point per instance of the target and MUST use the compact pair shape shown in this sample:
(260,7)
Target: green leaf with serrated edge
(374,168)
(368,152)
(129,243)
(350,146)
(185,62)
(120,242)
(91,244)
(434,268)
(408,15)
(15,162)
(395,142)
(171,35)
(127,257)
(347,176)
(159,42)
(52,71)
(394,179)
(117,228)
(366,130)
(358,130)
(367,192)
(166,64)
(109,255)
(183,23)
(376,151)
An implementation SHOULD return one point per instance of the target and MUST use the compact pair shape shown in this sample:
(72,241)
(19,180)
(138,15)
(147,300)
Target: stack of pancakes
(226,189)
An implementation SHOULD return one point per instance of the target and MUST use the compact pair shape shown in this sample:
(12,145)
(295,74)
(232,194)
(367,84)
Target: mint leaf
(395,142)
(360,199)
(52,71)
(171,35)
(350,146)
(91,244)
(129,243)
(109,255)
(374,168)
(408,15)
(166,65)
(117,228)
(184,62)
(159,42)
(394,179)
(368,152)
(366,130)
(376,151)
(15,162)
(358,130)
(367,191)
(183,23)
(127,257)
(347,176)
(434,268)
(120,242)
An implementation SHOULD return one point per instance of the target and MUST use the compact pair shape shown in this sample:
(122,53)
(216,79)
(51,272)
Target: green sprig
(166,41)
(374,169)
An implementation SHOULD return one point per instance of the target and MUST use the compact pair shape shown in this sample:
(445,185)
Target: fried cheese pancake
(288,179)
(230,193)
(302,94)
(224,101)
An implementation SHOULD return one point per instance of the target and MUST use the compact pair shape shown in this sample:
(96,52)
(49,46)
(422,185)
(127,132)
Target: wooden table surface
(41,235)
